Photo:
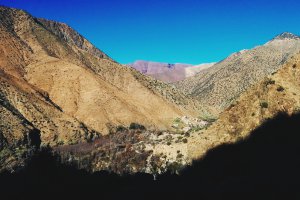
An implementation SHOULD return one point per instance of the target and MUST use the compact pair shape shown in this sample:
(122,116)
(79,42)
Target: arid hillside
(79,78)
(220,85)
(277,93)
(274,94)
(59,87)
(62,95)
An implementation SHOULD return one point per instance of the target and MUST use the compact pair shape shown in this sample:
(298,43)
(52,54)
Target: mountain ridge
(274,94)
(287,35)
(70,91)
(221,84)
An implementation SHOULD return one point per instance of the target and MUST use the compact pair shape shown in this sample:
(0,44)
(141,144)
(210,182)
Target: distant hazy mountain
(167,72)
(221,84)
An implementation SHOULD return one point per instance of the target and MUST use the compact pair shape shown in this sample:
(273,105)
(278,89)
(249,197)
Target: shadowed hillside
(264,165)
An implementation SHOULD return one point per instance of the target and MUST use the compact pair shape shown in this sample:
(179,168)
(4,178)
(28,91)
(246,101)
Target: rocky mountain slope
(223,83)
(60,93)
(57,87)
(168,73)
(277,93)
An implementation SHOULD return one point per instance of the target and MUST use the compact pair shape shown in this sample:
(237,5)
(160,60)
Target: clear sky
(174,31)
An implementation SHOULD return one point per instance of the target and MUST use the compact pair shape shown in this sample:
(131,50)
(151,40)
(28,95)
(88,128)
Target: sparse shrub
(269,82)
(177,120)
(136,126)
(184,140)
(297,109)
(211,119)
(179,156)
(121,128)
(175,167)
(294,66)
(280,89)
(158,133)
(208,118)
(168,143)
(196,129)
(264,104)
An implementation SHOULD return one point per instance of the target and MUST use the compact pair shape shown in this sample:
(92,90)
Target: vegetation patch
(208,118)
(264,104)
(175,167)
(196,129)
(136,126)
(269,82)
(177,120)
(121,128)
(280,88)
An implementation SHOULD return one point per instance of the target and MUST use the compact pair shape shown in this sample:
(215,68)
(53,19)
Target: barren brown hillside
(59,92)
(223,83)
(276,93)
(68,91)
(279,92)
(82,80)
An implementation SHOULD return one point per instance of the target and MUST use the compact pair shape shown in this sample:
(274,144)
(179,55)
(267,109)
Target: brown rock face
(69,91)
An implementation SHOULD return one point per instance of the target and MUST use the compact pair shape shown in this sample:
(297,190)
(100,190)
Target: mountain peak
(286,35)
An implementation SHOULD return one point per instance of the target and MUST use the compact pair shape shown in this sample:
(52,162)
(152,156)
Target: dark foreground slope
(267,164)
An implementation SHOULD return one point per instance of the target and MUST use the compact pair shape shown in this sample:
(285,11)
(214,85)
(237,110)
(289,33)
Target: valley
(61,95)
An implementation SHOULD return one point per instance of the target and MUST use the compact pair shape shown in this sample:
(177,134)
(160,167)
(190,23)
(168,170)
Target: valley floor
(265,165)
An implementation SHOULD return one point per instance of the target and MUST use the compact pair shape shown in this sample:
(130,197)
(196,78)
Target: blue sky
(174,31)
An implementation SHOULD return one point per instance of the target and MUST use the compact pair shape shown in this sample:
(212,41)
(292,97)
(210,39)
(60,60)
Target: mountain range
(168,73)
(61,94)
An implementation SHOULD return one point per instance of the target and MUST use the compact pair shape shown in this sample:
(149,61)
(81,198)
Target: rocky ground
(134,149)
